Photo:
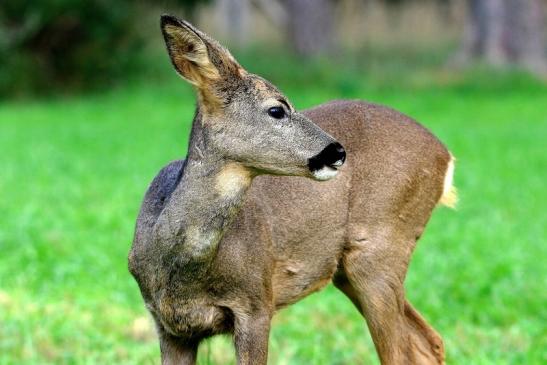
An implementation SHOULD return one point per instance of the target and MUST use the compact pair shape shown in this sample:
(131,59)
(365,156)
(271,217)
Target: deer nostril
(333,156)
(339,155)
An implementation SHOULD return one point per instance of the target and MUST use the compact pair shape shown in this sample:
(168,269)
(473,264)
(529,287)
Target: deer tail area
(449,196)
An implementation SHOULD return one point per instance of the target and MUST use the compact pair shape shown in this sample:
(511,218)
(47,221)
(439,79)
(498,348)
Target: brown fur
(215,254)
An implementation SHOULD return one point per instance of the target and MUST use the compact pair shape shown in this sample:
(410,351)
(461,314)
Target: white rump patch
(449,197)
(325,173)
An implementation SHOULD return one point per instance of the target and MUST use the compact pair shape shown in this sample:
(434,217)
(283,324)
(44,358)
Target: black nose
(333,156)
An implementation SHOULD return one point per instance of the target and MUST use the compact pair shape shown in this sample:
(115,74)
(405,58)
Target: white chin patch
(325,173)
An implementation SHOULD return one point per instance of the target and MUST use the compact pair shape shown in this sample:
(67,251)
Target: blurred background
(91,109)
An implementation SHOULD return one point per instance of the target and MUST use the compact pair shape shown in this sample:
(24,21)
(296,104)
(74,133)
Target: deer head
(244,118)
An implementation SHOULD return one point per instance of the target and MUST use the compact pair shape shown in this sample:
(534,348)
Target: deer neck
(205,202)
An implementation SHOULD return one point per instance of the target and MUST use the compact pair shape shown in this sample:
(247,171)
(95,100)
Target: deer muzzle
(325,164)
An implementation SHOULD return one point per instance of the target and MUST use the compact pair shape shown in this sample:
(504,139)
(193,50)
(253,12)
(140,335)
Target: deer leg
(175,351)
(251,334)
(341,282)
(375,270)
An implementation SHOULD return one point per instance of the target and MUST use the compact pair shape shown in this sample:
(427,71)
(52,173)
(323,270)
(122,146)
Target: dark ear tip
(167,19)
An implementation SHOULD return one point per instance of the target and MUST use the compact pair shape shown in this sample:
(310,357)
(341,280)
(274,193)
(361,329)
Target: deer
(272,204)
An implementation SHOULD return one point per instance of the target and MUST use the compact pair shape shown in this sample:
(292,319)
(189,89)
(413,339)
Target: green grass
(73,172)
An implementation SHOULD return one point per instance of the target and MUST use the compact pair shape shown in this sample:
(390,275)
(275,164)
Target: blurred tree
(235,19)
(309,23)
(503,32)
(71,44)
(190,7)
(49,43)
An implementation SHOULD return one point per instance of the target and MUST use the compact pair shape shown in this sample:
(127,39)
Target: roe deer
(214,253)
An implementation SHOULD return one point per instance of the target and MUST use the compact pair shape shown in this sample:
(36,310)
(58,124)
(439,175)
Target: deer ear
(196,57)
(188,52)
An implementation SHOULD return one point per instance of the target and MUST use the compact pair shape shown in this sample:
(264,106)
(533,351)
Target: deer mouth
(324,166)
(325,173)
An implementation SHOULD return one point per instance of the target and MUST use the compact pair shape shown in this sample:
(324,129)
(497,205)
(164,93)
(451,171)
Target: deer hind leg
(372,276)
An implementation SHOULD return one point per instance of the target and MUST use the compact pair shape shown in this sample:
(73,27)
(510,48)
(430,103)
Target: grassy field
(73,172)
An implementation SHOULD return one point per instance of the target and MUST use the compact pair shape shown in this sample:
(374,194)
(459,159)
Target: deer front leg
(251,332)
(375,270)
(175,351)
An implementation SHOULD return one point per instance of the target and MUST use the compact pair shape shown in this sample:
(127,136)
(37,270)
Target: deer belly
(294,280)
(191,318)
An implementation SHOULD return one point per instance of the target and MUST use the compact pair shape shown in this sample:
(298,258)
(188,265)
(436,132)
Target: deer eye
(276,112)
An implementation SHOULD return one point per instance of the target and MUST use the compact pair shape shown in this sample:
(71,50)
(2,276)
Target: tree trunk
(525,34)
(310,25)
(503,32)
(235,18)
